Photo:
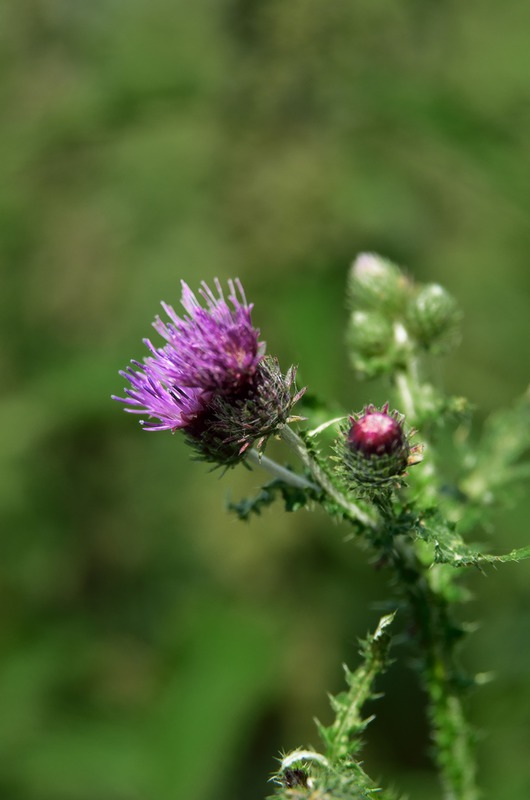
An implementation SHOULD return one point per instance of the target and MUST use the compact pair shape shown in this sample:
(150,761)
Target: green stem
(353,511)
(405,395)
(407,377)
(451,733)
(453,741)
(284,474)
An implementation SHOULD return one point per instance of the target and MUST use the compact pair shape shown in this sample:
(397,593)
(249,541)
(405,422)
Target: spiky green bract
(342,737)
(346,781)
(374,450)
(229,426)
(308,774)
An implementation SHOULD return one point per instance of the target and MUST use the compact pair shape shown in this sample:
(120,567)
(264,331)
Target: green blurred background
(151,646)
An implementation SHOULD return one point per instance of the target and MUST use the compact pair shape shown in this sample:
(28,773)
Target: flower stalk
(284,474)
(352,510)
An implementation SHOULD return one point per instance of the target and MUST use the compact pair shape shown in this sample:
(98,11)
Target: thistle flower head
(376,449)
(377,284)
(215,348)
(211,379)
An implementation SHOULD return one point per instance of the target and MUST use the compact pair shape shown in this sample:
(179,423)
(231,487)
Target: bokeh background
(152,647)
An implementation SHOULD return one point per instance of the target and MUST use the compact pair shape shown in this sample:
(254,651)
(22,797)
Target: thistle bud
(375,283)
(377,450)
(433,318)
(370,341)
(369,333)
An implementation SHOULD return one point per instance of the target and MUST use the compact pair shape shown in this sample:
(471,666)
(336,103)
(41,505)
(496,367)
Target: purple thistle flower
(173,407)
(214,348)
(211,379)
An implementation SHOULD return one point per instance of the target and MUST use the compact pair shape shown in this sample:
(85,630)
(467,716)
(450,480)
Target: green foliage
(338,774)
(293,498)
(450,547)
(416,537)
(342,738)
(501,460)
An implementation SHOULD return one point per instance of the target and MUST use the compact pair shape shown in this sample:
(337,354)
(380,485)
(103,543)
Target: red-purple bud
(376,450)
(376,433)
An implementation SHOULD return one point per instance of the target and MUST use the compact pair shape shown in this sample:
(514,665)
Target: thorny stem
(278,471)
(436,633)
(353,510)
(451,733)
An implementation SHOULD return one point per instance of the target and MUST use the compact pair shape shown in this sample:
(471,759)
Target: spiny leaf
(293,498)
(342,737)
(497,463)
(514,555)
(450,548)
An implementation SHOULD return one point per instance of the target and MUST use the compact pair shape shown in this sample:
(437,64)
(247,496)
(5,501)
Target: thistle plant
(213,381)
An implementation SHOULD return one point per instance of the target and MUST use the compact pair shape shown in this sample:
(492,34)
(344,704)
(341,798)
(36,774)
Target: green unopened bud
(433,318)
(369,333)
(375,283)
(370,341)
